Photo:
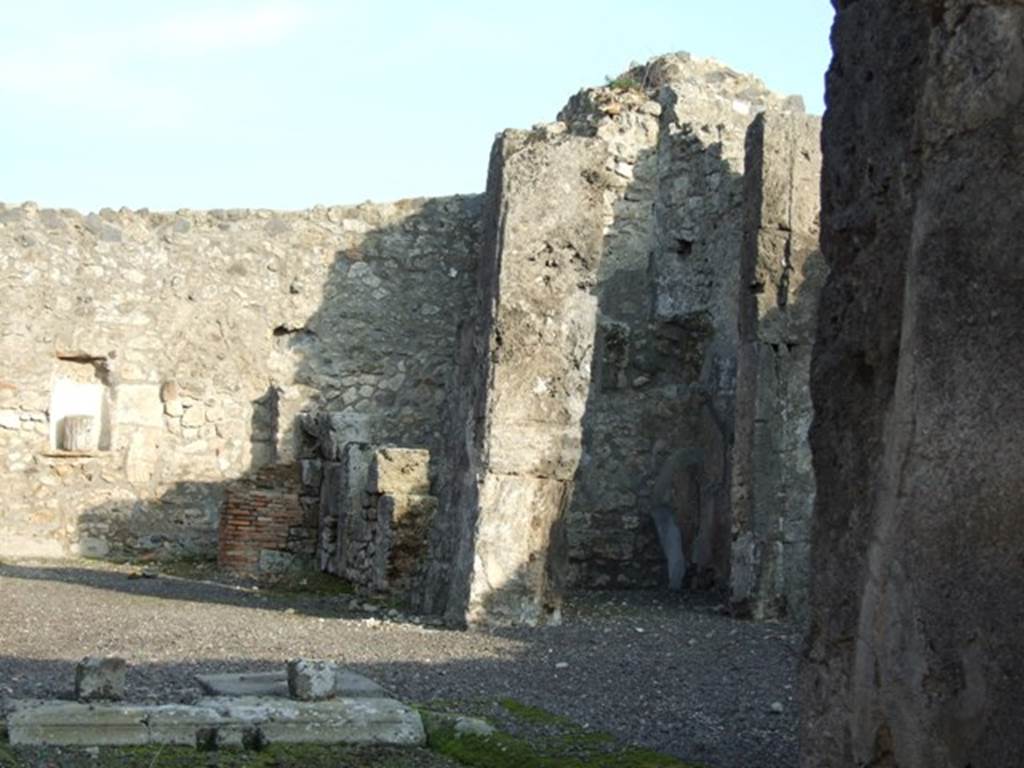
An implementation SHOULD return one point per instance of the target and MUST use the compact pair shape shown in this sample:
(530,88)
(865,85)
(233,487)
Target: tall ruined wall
(195,338)
(603,355)
(782,272)
(914,653)
(611,542)
(662,394)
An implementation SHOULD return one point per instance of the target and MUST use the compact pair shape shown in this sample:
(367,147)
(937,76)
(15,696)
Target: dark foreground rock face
(914,656)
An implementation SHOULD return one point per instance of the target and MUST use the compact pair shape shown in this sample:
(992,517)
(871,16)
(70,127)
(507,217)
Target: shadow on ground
(318,596)
(667,672)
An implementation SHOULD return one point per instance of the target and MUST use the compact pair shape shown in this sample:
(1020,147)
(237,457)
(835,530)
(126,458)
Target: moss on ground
(543,740)
(295,583)
(529,737)
(318,584)
(274,756)
(533,715)
(7,756)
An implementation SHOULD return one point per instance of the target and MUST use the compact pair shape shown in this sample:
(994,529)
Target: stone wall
(625,221)
(611,542)
(782,271)
(383,538)
(194,339)
(914,651)
(514,419)
(661,399)
(267,528)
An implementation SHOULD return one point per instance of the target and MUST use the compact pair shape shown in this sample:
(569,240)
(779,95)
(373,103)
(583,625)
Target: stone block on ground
(245,684)
(180,725)
(100,679)
(230,721)
(352,685)
(339,721)
(311,680)
(400,471)
(68,723)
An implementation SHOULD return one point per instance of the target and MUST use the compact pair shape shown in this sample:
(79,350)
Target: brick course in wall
(266,526)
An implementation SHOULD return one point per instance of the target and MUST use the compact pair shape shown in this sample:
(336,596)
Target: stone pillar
(513,429)
(914,654)
(346,505)
(781,273)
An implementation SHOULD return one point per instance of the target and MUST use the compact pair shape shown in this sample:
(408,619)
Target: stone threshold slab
(347,685)
(224,721)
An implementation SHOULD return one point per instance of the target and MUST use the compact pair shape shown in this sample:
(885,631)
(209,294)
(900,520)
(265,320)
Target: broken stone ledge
(347,685)
(216,722)
(245,710)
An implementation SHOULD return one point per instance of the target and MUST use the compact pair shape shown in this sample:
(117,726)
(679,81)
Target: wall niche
(80,405)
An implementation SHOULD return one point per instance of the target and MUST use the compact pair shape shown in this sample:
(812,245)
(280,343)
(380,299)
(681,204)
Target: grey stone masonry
(569,348)
(352,532)
(217,722)
(914,655)
(375,512)
(662,393)
(195,340)
(782,271)
(564,436)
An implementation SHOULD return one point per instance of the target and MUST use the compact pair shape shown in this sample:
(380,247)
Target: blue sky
(292,103)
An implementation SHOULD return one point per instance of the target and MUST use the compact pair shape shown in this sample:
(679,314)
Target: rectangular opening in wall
(80,405)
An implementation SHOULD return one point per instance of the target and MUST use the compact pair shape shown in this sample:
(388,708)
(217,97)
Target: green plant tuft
(624,83)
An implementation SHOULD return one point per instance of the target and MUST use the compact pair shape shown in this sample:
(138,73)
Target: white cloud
(96,69)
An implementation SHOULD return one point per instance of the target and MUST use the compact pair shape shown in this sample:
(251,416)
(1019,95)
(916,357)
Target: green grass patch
(542,740)
(501,750)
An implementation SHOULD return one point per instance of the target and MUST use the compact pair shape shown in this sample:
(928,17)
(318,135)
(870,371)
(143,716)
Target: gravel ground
(664,672)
